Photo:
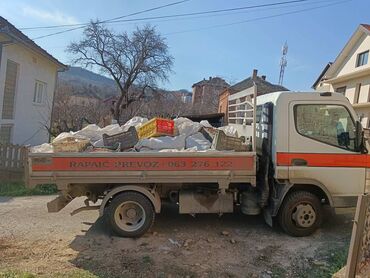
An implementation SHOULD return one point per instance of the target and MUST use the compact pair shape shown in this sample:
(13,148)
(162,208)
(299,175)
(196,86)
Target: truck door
(322,152)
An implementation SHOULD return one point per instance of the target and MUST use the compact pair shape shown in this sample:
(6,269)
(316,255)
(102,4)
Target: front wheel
(130,214)
(300,214)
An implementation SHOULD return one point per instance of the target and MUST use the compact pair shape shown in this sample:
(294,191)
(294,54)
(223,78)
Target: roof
(10,30)
(215,81)
(318,80)
(361,29)
(367,26)
(263,86)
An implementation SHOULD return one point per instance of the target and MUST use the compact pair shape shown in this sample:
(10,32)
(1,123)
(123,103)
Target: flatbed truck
(309,152)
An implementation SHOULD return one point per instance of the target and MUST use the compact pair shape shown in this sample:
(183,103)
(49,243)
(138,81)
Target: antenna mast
(283,62)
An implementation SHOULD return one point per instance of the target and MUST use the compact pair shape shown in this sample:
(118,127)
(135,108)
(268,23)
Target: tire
(130,214)
(300,214)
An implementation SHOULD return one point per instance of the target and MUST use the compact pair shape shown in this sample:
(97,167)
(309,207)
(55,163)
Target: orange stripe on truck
(145,164)
(324,160)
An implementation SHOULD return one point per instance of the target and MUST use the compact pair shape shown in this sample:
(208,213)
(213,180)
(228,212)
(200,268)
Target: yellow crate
(156,127)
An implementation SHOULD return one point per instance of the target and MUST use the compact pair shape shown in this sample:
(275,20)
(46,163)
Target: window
(362,58)
(5,134)
(357,93)
(9,90)
(327,123)
(40,92)
(341,90)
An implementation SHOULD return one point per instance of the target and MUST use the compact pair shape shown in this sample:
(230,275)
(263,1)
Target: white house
(349,74)
(28,76)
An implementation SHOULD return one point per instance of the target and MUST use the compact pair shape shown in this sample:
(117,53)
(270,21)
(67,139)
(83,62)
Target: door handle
(299,162)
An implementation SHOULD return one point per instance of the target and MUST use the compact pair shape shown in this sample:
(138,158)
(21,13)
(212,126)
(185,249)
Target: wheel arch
(315,188)
(150,194)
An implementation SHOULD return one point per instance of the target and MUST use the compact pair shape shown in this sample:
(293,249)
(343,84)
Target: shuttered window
(9,90)
(40,92)
(5,134)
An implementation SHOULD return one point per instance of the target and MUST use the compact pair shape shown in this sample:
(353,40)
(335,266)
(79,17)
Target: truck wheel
(300,214)
(130,214)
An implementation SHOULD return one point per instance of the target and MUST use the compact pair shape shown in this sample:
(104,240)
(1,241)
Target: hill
(87,83)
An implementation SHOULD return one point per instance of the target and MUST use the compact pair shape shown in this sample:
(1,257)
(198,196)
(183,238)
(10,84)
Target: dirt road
(177,246)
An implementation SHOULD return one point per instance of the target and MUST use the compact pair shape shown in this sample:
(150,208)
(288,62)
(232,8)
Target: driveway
(233,245)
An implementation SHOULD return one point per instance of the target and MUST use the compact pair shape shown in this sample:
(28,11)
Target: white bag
(229,130)
(205,123)
(198,141)
(164,142)
(43,148)
(135,121)
(91,132)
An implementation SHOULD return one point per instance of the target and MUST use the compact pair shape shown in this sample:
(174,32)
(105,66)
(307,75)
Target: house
(205,94)
(84,101)
(263,87)
(28,77)
(349,74)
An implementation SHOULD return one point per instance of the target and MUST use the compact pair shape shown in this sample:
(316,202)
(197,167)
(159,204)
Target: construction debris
(141,135)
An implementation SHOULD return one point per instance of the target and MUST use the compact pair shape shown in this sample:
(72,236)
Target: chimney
(254,74)
(263,77)
(210,77)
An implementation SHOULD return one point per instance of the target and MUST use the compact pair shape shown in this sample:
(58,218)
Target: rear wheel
(300,214)
(130,214)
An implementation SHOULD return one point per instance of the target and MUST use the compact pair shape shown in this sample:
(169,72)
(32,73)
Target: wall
(29,117)
(223,104)
(353,76)
(349,64)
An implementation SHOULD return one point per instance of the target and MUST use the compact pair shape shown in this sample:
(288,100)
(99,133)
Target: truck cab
(311,153)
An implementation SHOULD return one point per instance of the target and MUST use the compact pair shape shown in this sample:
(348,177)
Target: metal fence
(358,263)
(12,161)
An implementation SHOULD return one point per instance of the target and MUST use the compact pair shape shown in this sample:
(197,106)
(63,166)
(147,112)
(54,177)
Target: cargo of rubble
(143,135)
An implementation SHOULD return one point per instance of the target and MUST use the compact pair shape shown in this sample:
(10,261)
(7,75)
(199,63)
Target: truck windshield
(327,123)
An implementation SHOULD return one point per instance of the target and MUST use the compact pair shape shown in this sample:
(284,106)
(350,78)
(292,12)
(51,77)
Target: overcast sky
(229,45)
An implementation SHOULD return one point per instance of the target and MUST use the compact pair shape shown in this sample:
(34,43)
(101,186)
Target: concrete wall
(29,117)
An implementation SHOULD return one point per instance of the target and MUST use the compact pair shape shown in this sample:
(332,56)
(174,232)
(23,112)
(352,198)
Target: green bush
(13,189)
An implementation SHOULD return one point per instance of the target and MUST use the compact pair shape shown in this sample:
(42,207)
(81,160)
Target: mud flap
(58,203)
(268,217)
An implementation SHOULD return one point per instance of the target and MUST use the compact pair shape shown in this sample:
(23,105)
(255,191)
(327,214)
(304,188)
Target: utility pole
(283,62)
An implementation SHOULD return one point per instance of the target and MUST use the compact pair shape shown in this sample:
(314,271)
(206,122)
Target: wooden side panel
(231,163)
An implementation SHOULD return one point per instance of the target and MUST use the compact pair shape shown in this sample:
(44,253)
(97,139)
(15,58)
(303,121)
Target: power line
(104,21)
(232,13)
(115,18)
(258,18)
(213,11)
(118,19)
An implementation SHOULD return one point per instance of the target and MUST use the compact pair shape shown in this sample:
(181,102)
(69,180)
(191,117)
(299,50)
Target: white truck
(309,152)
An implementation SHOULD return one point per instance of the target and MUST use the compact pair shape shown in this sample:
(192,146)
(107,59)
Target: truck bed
(136,168)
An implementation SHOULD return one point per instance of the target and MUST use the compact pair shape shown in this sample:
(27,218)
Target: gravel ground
(233,245)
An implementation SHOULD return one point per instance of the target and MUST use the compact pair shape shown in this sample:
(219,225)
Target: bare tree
(137,60)
(71,111)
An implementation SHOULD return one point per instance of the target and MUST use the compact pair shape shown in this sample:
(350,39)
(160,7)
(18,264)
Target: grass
(15,274)
(71,274)
(15,189)
(334,259)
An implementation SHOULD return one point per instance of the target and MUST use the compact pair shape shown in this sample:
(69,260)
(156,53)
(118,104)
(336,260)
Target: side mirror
(359,137)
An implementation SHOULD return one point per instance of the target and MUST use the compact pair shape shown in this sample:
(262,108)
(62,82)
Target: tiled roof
(216,81)
(263,86)
(7,28)
(367,26)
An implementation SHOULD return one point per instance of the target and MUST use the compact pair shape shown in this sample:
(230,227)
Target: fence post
(357,236)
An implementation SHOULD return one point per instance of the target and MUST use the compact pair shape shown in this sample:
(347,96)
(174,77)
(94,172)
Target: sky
(229,44)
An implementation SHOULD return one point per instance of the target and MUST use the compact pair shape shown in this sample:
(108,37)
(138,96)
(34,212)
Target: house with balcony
(349,74)
(28,76)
